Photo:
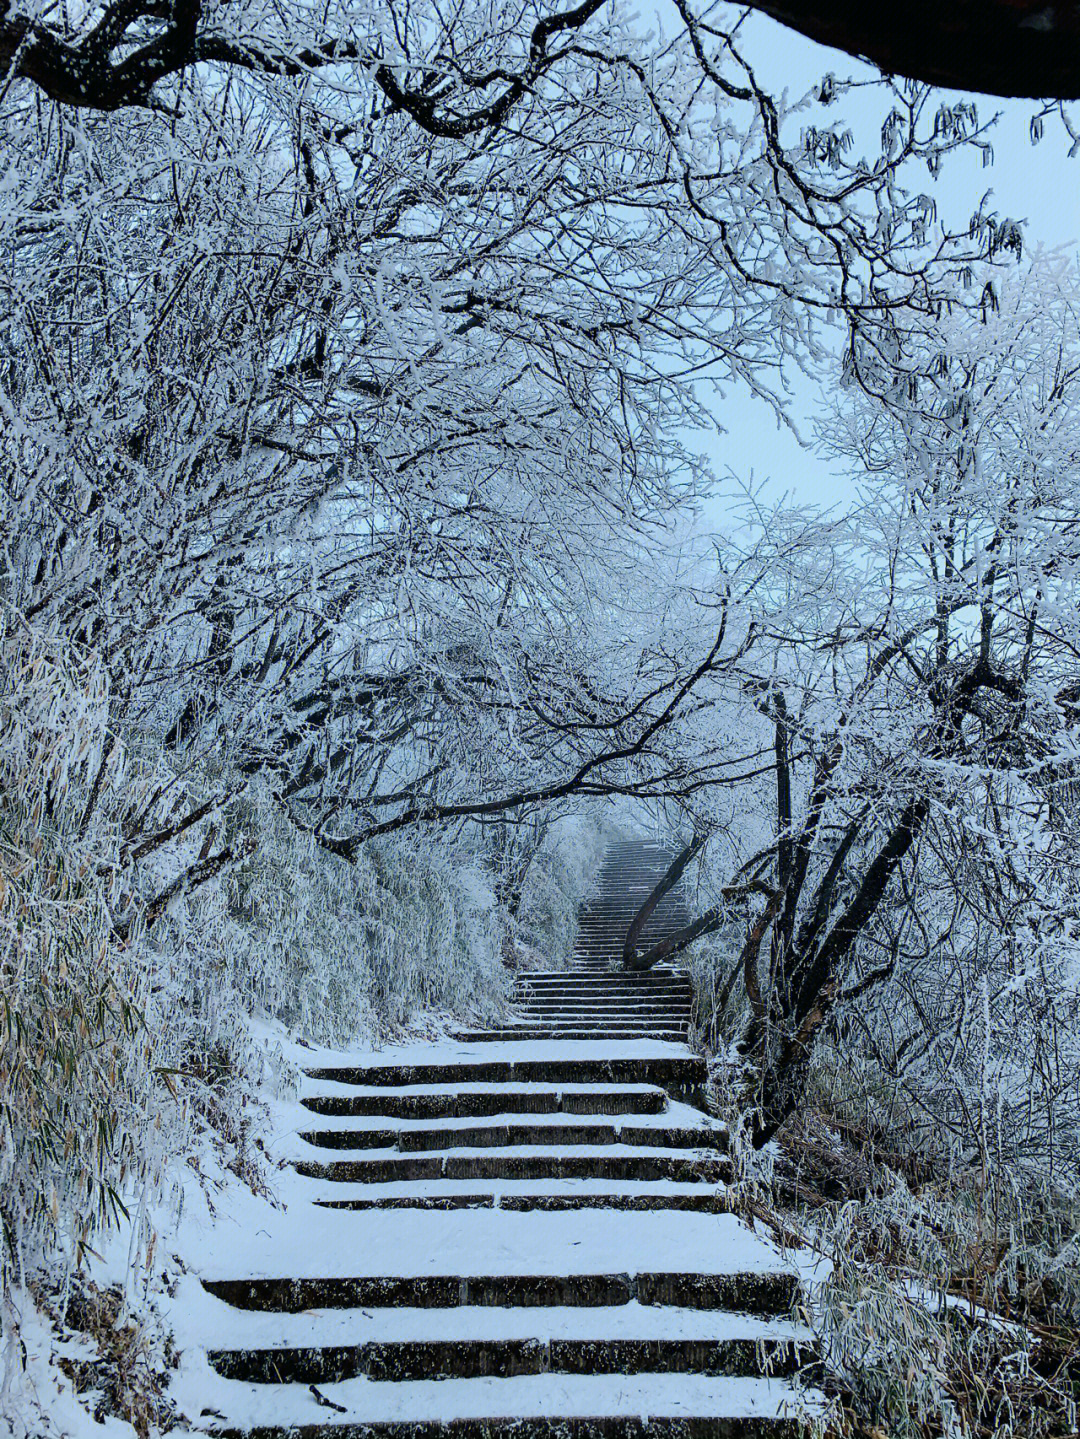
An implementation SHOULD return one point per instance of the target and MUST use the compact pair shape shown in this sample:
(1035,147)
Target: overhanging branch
(1023,48)
(163,38)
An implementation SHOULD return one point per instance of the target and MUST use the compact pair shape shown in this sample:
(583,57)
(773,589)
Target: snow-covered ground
(222,1230)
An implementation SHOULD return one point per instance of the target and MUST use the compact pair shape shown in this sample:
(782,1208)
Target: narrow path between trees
(522,1233)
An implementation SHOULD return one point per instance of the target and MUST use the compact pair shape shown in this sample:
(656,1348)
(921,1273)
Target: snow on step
(539,1163)
(481,1243)
(458,1145)
(460,1052)
(330,1346)
(222,1327)
(458,1101)
(674,1116)
(492,1087)
(583,1033)
(586,1190)
(553,1399)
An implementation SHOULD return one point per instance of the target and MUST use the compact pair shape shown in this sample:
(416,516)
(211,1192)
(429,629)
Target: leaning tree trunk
(667,882)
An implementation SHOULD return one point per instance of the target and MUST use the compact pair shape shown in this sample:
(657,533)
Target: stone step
(670,1031)
(657,972)
(638,985)
(622,998)
(608,949)
(594,1017)
(595,1009)
(577,1015)
(729,1344)
(670,1072)
(606,957)
(604,994)
(459,1103)
(602,997)
(552,1196)
(768,1292)
(619,981)
(619,921)
(669,1034)
(666,914)
(228,1328)
(599,928)
(539,1163)
(617,1023)
(664,918)
(622,981)
(605,920)
(524,1195)
(518,1132)
(631,887)
(332,1344)
(551,1019)
(612,887)
(694,1198)
(613,938)
(548,1406)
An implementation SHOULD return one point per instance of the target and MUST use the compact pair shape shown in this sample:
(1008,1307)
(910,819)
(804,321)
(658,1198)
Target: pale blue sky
(1035,183)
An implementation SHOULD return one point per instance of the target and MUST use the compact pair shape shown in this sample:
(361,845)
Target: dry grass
(128,1371)
(952,1307)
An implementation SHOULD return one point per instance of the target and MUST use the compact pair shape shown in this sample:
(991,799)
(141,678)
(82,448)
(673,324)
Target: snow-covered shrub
(337,950)
(717,989)
(557,882)
(946,1301)
(953,1310)
(131,964)
(75,1058)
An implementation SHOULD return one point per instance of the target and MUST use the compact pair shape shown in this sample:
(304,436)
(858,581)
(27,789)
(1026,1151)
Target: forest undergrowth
(138,1013)
(942,1279)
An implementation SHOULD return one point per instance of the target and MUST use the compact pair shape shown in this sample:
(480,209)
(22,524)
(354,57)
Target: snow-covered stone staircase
(514,1235)
(630,872)
(594,999)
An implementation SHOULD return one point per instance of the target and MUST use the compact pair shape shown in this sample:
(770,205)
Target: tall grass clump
(75,1055)
(952,1308)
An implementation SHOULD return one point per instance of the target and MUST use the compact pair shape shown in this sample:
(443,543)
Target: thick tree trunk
(785,1023)
(998,47)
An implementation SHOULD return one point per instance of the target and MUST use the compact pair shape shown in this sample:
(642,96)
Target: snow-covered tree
(347,355)
(915,678)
